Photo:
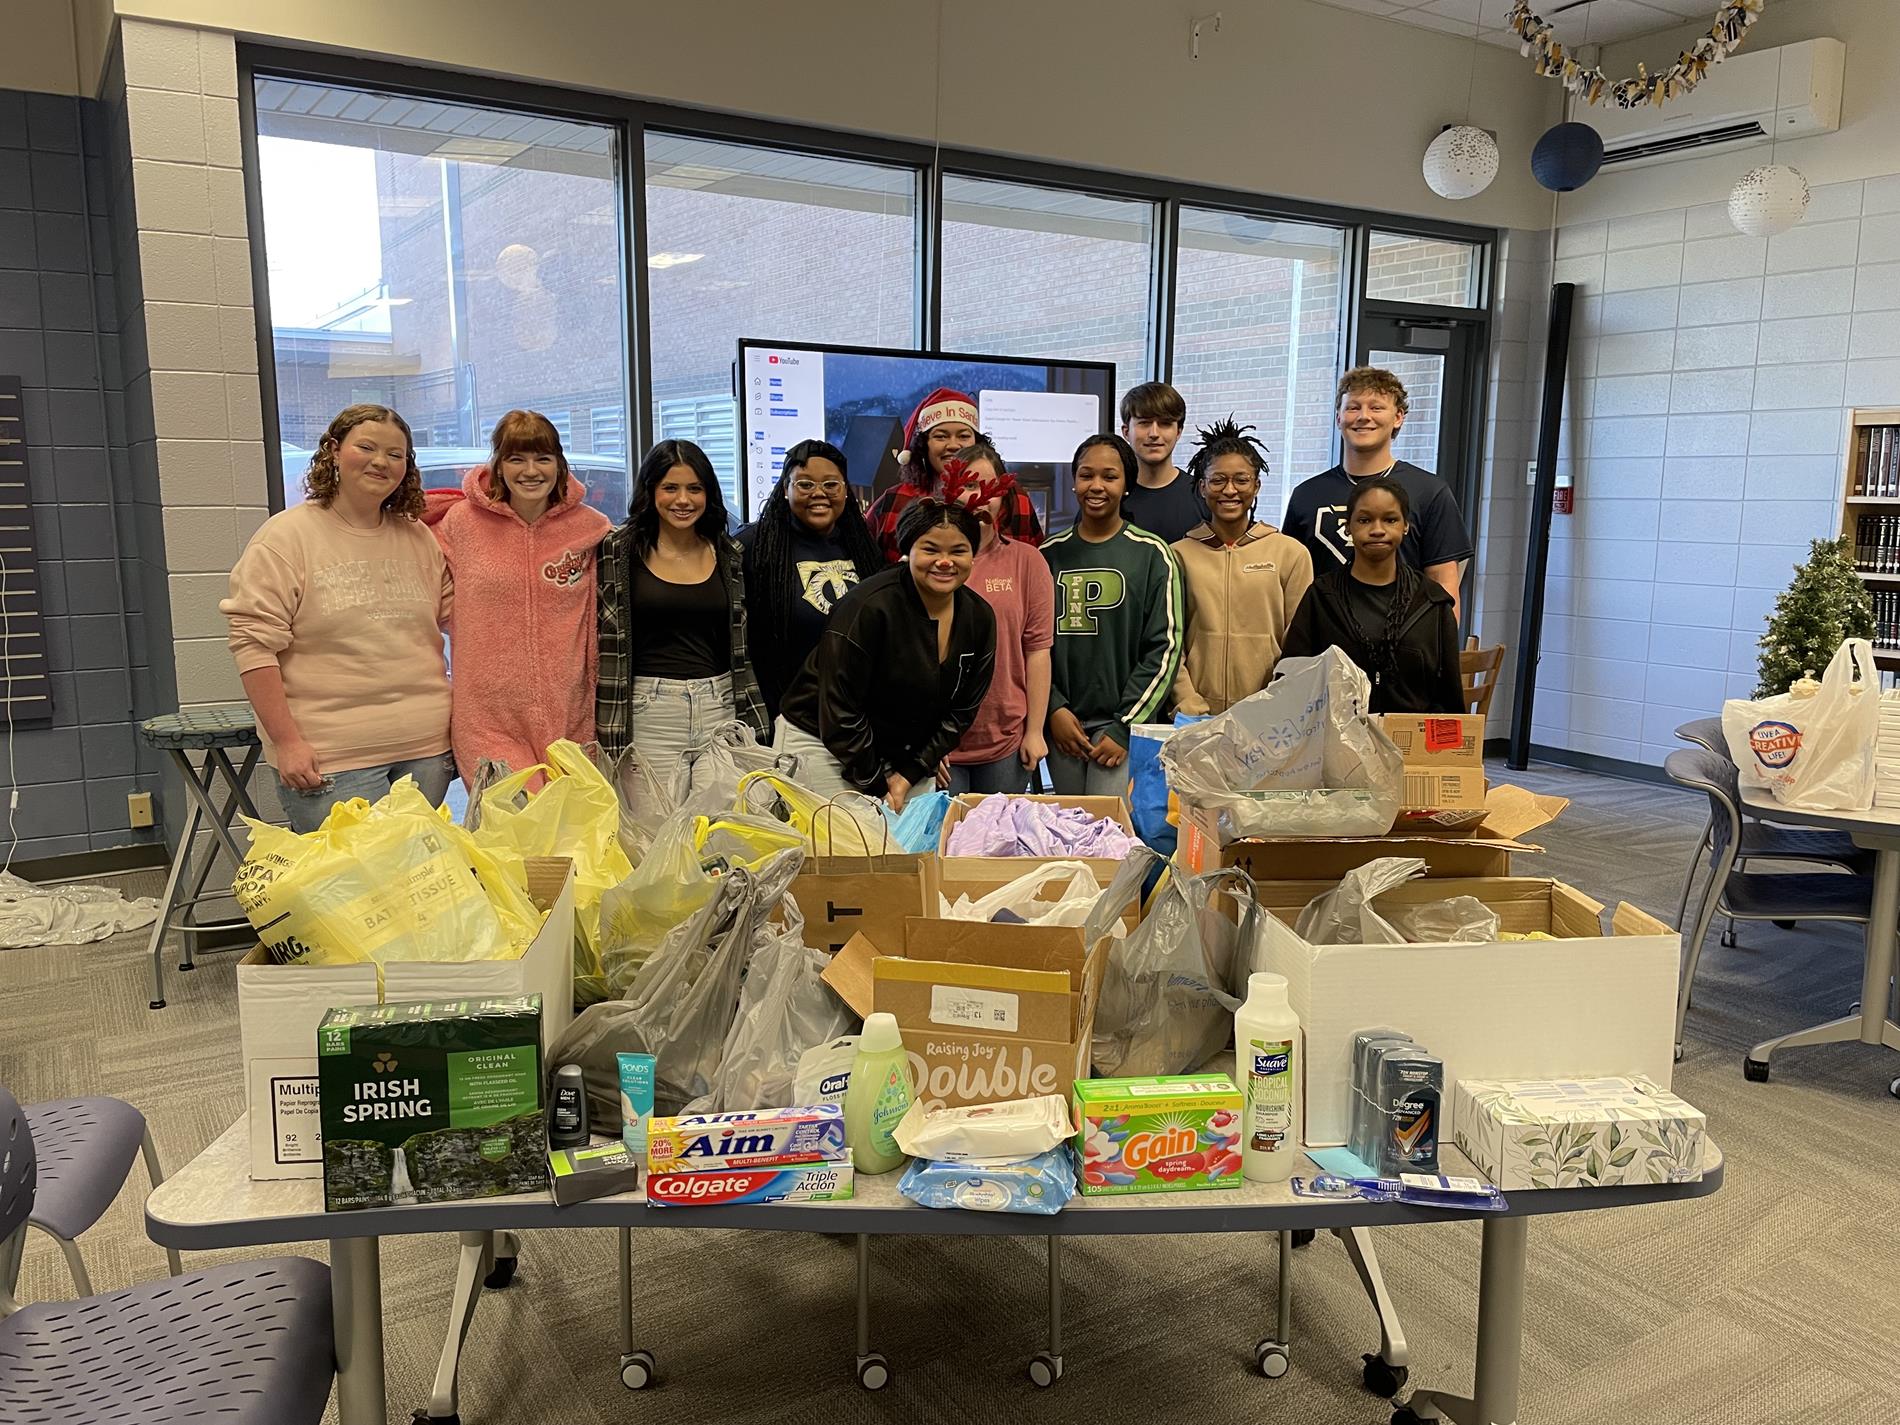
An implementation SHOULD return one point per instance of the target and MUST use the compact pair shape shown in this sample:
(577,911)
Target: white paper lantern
(1768,200)
(1461,162)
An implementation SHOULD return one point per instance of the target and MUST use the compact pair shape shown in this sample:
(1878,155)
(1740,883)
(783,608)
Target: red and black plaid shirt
(1018,518)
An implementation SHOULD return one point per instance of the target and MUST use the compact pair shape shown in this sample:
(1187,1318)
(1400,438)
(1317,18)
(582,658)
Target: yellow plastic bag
(675,879)
(575,814)
(394,881)
(849,824)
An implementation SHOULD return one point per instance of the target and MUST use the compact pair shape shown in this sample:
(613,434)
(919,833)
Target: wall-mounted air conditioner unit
(1790,92)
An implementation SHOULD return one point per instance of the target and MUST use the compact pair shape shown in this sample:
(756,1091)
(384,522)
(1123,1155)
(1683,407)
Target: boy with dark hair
(1370,406)
(1160,499)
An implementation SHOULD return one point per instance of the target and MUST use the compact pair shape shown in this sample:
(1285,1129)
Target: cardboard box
(1052,976)
(1566,1133)
(1585,1004)
(1484,850)
(980,868)
(280,1007)
(1436,740)
(1433,789)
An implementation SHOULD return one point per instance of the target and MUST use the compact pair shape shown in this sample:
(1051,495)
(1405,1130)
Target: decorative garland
(1732,20)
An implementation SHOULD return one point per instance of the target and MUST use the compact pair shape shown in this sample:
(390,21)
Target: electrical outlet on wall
(138,808)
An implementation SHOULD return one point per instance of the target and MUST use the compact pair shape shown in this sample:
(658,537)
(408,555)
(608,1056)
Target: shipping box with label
(280,1007)
(989,1012)
(1583,1004)
(1444,784)
(1511,813)
(981,868)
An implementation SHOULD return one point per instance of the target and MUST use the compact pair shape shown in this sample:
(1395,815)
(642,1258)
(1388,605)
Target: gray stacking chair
(1762,840)
(248,1344)
(85,1148)
(1748,895)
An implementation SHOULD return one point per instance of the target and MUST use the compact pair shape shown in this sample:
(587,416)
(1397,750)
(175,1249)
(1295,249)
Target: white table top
(1877,827)
(212,1202)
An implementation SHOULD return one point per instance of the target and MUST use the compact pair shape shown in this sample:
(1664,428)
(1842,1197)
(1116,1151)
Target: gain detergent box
(1173,1134)
(431,1101)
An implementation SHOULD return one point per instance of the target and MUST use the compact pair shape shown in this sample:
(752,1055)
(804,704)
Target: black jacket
(1426,677)
(873,691)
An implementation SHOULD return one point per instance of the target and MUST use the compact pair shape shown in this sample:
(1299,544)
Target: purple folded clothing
(1016,826)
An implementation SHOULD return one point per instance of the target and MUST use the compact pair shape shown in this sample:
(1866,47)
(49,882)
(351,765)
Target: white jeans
(665,716)
(817,768)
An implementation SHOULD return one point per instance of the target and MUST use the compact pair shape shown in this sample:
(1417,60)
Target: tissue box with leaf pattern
(1557,1133)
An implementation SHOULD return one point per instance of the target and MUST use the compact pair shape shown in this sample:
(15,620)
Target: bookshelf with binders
(1870,518)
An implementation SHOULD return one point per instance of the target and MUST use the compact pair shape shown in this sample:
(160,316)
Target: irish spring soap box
(431,1102)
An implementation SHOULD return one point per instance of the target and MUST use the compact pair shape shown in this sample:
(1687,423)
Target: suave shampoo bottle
(878,1097)
(1267,1054)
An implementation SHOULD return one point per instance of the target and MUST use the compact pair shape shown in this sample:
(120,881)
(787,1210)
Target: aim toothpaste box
(1176,1134)
(756,1138)
(724,1187)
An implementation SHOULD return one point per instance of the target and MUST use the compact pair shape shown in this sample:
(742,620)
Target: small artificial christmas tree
(1825,605)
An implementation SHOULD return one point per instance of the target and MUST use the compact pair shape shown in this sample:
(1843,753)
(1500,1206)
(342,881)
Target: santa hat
(939,406)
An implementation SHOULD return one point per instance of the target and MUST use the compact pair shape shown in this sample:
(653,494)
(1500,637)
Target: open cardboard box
(280,1006)
(988,1012)
(978,868)
(1444,785)
(1485,850)
(1583,1005)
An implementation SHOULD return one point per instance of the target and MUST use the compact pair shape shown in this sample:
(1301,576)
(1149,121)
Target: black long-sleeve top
(874,692)
(1424,677)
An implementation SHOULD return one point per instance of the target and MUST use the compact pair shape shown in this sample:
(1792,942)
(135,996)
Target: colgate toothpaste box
(1173,1134)
(755,1138)
(720,1187)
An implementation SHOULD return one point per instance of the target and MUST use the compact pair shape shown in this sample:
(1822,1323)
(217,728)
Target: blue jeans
(666,716)
(306,810)
(1076,777)
(1006,774)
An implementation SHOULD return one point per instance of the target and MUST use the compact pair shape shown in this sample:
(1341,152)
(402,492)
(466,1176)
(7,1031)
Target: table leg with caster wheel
(1385,1374)
(1500,1337)
(1045,1368)
(1274,1354)
(636,1366)
(874,1372)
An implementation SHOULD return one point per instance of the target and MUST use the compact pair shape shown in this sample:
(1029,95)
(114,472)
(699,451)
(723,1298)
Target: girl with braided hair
(1244,577)
(807,548)
(1382,613)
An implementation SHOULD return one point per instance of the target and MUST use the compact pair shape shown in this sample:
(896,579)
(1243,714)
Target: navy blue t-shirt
(1316,516)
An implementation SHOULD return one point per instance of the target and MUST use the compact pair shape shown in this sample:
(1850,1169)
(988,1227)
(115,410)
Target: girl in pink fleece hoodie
(523,647)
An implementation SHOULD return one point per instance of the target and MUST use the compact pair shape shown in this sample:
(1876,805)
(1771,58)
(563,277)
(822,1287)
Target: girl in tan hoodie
(1244,577)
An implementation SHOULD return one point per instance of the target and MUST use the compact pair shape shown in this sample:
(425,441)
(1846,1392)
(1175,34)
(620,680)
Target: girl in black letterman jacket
(901,670)
(1381,613)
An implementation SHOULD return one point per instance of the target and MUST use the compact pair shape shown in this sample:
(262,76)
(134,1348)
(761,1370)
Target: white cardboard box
(1584,1005)
(280,1006)
(1541,1133)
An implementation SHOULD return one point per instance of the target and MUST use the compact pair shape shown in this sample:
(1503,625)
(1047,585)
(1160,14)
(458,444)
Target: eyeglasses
(812,487)
(1228,482)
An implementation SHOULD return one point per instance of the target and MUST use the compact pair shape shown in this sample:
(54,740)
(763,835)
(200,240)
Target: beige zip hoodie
(1240,599)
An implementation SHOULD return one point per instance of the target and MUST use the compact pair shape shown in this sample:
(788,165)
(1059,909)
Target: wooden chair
(1475,663)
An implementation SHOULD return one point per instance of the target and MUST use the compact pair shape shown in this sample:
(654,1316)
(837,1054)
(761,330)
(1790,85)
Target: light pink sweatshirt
(523,646)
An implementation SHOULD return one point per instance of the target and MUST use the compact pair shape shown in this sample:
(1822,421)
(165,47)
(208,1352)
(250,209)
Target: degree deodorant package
(1398,1088)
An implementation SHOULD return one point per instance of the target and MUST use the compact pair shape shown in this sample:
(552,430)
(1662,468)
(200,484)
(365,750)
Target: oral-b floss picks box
(636,1100)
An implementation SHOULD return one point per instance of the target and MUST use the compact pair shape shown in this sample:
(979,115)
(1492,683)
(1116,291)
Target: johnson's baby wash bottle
(1267,1052)
(878,1096)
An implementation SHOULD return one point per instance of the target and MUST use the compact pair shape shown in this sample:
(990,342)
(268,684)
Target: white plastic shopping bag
(1028,898)
(1817,751)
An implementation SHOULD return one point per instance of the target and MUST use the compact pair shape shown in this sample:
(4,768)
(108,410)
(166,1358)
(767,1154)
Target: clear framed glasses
(1228,482)
(833,488)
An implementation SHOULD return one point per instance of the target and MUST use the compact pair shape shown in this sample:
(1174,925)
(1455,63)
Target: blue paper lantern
(1567,157)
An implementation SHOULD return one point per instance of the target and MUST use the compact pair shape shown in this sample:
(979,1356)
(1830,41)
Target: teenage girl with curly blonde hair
(336,611)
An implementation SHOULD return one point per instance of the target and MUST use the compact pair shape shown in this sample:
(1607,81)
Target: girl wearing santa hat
(943,423)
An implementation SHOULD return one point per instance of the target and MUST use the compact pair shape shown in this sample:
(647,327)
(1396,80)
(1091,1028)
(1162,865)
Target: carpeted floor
(1775,1300)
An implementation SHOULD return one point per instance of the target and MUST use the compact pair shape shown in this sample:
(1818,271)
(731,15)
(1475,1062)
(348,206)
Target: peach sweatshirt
(353,618)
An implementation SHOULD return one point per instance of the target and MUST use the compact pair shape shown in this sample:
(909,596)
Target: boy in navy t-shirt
(1371,407)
